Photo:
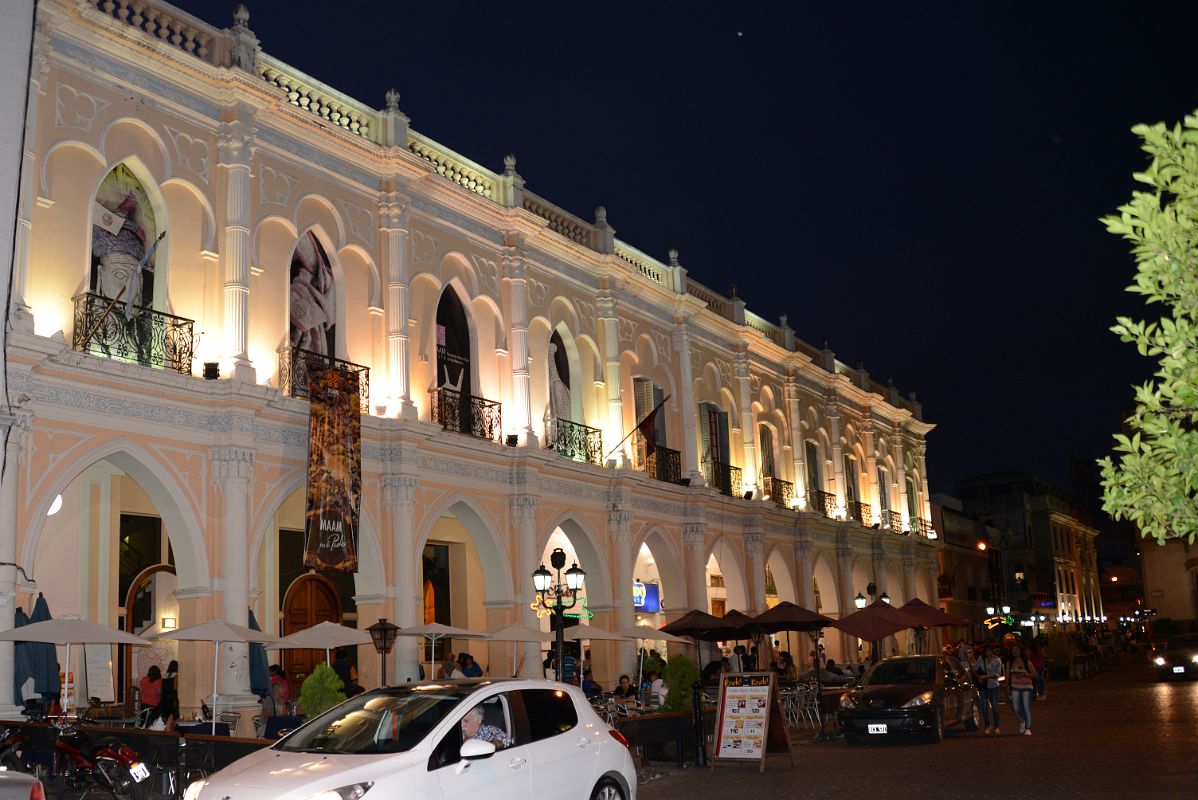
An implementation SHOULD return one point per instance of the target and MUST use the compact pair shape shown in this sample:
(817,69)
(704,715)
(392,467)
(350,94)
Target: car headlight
(1160,662)
(351,792)
(193,791)
(847,701)
(919,700)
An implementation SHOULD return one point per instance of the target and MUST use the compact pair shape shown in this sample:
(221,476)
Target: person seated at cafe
(589,687)
(711,673)
(470,667)
(474,728)
(832,668)
(151,692)
(625,690)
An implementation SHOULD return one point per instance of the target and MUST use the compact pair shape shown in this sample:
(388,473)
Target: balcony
(860,512)
(151,338)
(724,477)
(780,492)
(663,463)
(893,521)
(296,364)
(577,441)
(921,527)
(473,416)
(821,503)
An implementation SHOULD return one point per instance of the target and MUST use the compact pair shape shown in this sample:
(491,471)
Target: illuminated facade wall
(432,261)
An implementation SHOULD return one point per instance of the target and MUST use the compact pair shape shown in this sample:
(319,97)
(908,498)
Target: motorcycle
(12,748)
(106,762)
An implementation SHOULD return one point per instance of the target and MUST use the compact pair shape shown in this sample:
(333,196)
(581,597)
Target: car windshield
(889,673)
(1187,642)
(389,721)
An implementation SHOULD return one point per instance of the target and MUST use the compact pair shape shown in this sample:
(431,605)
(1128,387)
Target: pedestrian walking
(988,672)
(1023,686)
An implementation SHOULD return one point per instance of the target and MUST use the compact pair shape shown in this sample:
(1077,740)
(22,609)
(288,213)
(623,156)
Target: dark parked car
(1177,657)
(910,695)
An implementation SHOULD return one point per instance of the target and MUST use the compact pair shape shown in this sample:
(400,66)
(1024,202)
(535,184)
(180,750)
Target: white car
(494,739)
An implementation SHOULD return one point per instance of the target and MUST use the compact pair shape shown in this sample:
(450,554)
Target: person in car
(474,728)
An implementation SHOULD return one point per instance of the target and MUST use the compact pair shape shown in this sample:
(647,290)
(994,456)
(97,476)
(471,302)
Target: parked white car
(494,739)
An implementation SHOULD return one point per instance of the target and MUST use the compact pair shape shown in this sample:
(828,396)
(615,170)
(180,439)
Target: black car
(910,695)
(1177,658)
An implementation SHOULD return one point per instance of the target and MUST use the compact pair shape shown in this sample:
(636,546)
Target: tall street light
(382,634)
(553,592)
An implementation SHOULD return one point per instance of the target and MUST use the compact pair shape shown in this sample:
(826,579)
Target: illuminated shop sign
(646,597)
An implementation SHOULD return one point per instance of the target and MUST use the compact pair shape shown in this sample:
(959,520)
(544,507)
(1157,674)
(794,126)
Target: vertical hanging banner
(334,470)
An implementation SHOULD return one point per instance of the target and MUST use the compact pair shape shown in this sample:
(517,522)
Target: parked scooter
(12,749)
(106,762)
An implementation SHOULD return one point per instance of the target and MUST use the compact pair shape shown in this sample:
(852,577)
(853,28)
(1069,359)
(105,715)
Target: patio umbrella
(327,636)
(43,655)
(642,633)
(741,625)
(697,625)
(876,621)
(259,666)
(932,617)
(22,670)
(434,631)
(787,616)
(67,632)
(519,633)
(217,631)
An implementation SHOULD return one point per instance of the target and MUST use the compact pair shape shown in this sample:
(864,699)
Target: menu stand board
(749,720)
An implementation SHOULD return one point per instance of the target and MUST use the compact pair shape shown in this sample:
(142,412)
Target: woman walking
(988,671)
(1023,686)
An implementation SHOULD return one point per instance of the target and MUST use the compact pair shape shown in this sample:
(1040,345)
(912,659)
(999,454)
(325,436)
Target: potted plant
(679,675)
(321,691)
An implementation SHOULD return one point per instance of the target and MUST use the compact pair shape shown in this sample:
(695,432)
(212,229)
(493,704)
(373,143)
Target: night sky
(921,187)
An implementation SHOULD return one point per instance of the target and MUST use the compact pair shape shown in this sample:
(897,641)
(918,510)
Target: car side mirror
(475,749)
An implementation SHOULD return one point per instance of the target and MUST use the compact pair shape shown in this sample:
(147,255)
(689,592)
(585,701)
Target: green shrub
(321,691)
(679,674)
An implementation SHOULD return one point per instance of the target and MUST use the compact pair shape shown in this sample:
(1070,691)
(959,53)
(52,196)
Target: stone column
(750,467)
(794,416)
(909,584)
(844,566)
(619,531)
(804,570)
(686,389)
(609,324)
(393,219)
(15,427)
(900,474)
(523,509)
(513,268)
(695,540)
(236,154)
(754,547)
(233,472)
(19,34)
(833,414)
(871,490)
(925,502)
(399,495)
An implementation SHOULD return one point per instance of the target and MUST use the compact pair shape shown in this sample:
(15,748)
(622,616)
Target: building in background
(1170,574)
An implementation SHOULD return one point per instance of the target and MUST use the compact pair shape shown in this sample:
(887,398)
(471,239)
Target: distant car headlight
(919,700)
(193,791)
(1160,662)
(847,701)
(351,792)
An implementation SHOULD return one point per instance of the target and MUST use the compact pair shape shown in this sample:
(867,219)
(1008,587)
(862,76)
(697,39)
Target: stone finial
(509,164)
(783,320)
(823,344)
(674,257)
(393,100)
(890,383)
(911,396)
(601,216)
(859,365)
(241,16)
(732,291)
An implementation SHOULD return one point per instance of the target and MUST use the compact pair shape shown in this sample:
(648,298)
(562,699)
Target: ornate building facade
(156,459)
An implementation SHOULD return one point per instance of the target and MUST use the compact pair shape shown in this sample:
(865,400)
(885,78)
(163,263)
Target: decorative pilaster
(833,414)
(609,324)
(686,388)
(694,540)
(399,496)
(15,429)
(844,568)
(909,588)
(925,499)
(804,570)
(393,226)
(232,475)
(872,489)
(236,154)
(513,269)
(619,532)
(754,549)
(798,449)
(750,468)
(523,511)
(900,474)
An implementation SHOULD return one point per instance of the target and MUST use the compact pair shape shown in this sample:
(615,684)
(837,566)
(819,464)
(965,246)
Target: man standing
(989,671)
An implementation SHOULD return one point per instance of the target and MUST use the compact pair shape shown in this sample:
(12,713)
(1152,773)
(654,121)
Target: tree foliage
(321,691)
(1153,478)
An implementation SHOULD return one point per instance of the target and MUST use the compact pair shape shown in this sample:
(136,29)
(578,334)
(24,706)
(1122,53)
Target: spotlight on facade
(749,495)
(211,370)
(170,623)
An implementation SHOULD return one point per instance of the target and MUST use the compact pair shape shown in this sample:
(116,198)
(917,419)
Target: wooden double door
(311,599)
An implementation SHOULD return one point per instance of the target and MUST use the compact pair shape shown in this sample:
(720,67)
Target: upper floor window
(713,427)
(851,491)
(814,467)
(912,500)
(648,396)
(766,437)
(883,491)
(313,297)
(124,231)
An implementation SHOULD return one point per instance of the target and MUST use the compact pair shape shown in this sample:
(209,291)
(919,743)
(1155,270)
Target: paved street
(1120,734)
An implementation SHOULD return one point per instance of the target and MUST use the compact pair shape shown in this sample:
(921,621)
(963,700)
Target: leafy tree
(321,691)
(1154,481)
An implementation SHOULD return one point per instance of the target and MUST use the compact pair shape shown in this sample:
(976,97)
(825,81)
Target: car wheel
(607,789)
(936,735)
(974,720)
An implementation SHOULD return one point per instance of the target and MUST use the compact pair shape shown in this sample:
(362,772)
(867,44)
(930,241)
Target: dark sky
(921,186)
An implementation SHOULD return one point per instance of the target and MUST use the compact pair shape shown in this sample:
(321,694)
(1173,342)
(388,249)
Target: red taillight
(619,737)
(37,792)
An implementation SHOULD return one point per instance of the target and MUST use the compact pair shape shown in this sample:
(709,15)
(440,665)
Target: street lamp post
(382,634)
(859,601)
(552,592)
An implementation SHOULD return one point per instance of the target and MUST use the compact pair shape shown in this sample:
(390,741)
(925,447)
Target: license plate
(1179,669)
(876,728)
(139,772)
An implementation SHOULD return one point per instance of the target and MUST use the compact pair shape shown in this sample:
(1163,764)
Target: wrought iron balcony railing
(724,477)
(921,527)
(466,413)
(821,503)
(296,364)
(577,441)
(861,512)
(779,491)
(151,338)
(893,520)
(663,463)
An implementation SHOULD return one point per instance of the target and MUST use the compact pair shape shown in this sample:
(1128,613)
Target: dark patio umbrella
(259,668)
(739,626)
(22,658)
(698,625)
(932,617)
(786,616)
(43,655)
(877,621)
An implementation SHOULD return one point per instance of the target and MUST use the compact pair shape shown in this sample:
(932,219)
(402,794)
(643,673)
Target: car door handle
(516,763)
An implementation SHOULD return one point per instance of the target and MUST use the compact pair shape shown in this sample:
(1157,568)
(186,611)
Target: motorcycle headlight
(193,791)
(919,700)
(1160,662)
(847,701)
(351,792)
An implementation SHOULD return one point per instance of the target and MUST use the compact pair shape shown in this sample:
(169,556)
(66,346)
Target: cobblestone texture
(1120,734)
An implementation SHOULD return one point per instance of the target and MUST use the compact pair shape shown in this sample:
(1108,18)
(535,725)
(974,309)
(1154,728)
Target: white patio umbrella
(327,636)
(218,631)
(579,633)
(643,633)
(434,631)
(66,631)
(519,633)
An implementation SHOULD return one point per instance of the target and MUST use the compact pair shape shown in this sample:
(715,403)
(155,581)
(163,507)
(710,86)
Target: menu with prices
(744,715)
